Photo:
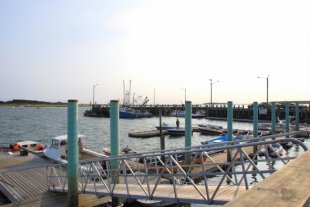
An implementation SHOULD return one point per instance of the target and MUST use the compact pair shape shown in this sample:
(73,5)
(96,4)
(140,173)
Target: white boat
(58,150)
(177,113)
(199,114)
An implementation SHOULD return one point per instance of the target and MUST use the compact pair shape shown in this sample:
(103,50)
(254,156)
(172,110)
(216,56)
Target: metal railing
(215,173)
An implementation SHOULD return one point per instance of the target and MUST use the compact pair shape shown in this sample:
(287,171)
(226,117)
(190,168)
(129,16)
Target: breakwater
(218,111)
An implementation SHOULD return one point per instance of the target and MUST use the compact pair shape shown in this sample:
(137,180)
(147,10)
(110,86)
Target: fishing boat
(134,109)
(127,112)
(58,150)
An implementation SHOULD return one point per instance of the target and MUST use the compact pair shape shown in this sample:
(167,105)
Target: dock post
(287,118)
(188,129)
(297,116)
(162,137)
(229,126)
(273,118)
(72,170)
(255,119)
(114,140)
(255,123)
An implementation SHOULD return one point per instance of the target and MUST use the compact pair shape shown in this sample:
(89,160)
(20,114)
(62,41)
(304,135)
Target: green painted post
(273,118)
(188,129)
(287,117)
(114,140)
(297,116)
(73,162)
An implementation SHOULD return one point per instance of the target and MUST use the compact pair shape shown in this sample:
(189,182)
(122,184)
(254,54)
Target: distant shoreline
(39,105)
(34,103)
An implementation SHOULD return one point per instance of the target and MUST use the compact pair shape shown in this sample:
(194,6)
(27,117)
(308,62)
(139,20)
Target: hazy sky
(58,50)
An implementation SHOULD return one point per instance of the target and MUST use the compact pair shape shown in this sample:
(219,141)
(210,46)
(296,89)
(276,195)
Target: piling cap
(72,100)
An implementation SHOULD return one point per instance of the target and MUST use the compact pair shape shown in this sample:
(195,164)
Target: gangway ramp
(168,176)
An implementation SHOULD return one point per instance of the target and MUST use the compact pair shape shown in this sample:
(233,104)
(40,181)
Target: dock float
(147,134)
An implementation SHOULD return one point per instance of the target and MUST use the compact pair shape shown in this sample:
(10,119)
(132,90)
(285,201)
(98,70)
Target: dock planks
(289,186)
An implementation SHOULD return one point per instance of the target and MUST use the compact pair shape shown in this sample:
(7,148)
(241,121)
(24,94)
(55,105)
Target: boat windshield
(55,143)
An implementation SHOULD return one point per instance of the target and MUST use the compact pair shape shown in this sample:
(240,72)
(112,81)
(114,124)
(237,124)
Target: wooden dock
(147,134)
(23,181)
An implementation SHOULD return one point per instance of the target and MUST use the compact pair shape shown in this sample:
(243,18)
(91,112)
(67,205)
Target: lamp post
(94,92)
(185,93)
(211,83)
(267,80)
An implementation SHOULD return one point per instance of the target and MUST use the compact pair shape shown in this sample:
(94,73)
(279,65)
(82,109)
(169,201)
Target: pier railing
(215,173)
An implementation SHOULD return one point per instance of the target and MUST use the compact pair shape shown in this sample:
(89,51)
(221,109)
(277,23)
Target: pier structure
(218,111)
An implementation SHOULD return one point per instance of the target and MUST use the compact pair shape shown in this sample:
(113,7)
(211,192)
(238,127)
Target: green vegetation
(34,103)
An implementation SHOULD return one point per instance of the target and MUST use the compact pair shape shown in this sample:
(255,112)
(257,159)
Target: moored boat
(130,113)
(58,150)
(176,131)
(199,114)
(209,130)
(165,126)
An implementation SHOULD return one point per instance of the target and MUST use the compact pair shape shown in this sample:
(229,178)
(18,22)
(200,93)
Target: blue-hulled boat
(130,113)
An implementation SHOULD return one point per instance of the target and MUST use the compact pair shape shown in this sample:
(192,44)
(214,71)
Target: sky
(59,50)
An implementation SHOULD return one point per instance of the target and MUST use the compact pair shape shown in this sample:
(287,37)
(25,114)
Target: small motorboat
(58,150)
(176,131)
(165,126)
(274,150)
(210,129)
(199,114)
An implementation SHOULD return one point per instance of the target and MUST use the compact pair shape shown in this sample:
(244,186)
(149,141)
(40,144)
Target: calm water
(41,124)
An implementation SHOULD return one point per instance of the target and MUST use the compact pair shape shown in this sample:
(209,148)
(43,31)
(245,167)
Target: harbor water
(41,124)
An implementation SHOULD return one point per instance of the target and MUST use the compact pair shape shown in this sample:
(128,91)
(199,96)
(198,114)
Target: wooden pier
(23,181)
(216,111)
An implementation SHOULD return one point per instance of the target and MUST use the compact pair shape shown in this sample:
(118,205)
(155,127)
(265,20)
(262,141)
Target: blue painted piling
(273,118)
(255,119)
(287,117)
(188,129)
(297,116)
(73,152)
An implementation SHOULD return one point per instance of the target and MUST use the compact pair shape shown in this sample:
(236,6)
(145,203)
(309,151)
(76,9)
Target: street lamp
(94,92)
(184,92)
(211,83)
(267,80)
